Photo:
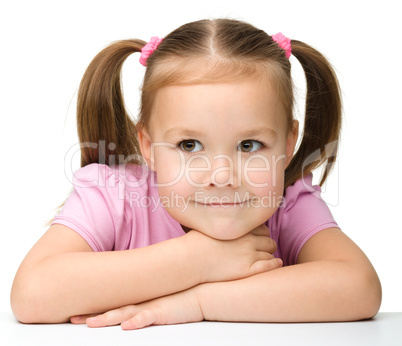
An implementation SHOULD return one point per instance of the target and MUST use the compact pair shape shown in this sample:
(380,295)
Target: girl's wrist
(205,299)
(200,254)
(194,257)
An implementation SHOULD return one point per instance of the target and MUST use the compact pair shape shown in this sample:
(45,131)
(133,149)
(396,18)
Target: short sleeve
(303,214)
(96,207)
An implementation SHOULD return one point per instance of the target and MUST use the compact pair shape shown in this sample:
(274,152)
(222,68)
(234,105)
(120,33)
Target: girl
(201,210)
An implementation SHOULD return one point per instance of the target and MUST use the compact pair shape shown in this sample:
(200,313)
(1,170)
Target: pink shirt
(118,208)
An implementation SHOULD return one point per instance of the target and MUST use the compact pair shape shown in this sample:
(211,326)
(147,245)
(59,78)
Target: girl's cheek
(264,171)
(169,166)
(262,183)
(265,179)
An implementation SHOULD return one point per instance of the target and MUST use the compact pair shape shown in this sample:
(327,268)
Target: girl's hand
(226,260)
(182,307)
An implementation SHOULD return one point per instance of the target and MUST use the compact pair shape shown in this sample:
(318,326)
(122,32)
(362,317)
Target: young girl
(201,210)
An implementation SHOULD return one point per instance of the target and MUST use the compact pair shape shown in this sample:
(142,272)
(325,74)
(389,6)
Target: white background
(46,46)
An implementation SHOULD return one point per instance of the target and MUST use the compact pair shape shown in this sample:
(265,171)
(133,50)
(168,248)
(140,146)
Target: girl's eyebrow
(249,133)
(259,131)
(182,131)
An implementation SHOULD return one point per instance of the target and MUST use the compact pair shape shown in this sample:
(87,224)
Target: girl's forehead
(251,100)
(184,72)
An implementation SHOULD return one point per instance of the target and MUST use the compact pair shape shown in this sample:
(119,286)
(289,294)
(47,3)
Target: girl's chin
(224,225)
(224,230)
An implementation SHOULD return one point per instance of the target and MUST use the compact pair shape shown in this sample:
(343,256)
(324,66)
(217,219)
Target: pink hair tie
(284,43)
(149,48)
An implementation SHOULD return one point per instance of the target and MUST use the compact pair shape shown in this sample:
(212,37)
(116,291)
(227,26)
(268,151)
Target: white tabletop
(385,329)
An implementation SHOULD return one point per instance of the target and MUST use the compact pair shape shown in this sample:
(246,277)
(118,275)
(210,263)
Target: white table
(384,330)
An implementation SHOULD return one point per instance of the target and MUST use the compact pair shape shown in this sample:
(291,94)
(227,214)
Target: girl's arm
(333,281)
(61,276)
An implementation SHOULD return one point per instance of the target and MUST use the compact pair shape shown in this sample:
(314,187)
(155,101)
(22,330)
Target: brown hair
(207,51)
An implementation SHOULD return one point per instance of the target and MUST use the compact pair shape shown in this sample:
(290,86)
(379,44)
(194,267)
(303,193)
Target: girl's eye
(249,146)
(190,145)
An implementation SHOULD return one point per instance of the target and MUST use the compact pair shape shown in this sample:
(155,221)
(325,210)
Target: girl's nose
(224,172)
(218,171)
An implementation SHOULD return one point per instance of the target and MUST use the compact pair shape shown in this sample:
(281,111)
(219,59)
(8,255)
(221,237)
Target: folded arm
(332,281)
(61,276)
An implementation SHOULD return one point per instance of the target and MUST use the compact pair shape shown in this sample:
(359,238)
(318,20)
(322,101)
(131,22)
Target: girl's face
(219,152)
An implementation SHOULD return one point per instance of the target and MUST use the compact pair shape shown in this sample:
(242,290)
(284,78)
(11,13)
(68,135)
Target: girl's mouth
(222,204)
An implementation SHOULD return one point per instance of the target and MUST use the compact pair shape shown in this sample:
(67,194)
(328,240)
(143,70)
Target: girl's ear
(291,141)
(145,142)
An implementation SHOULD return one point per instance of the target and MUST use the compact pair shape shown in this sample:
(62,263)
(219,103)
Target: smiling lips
(222,204)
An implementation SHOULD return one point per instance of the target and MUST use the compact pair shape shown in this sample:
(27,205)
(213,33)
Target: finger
(143,319)
(264,256)
(265,266)
(266,244)
(81,319)
(112,317)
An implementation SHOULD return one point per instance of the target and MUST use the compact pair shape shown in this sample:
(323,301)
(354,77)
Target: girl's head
(213,93)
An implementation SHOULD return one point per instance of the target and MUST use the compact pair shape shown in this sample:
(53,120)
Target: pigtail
(105,130)
(322,116)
